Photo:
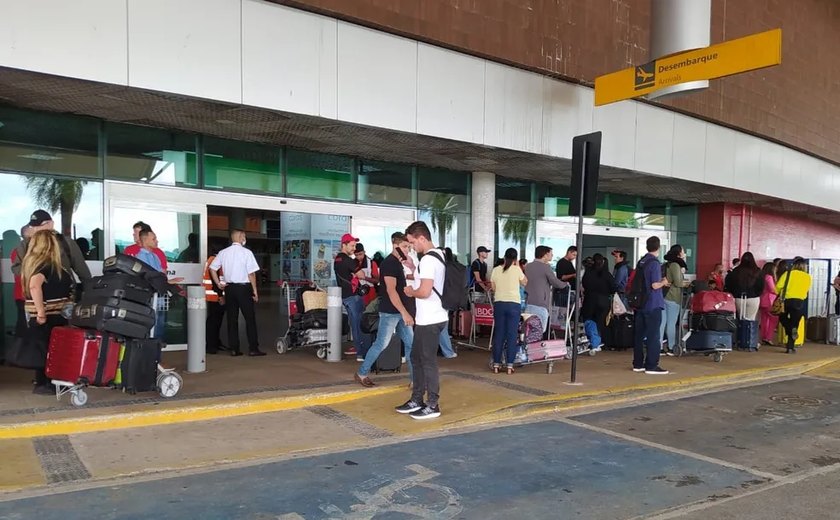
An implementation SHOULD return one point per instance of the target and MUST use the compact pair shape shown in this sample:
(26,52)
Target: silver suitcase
(833,336)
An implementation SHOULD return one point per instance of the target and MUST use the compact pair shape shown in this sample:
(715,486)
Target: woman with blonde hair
(48,291)
(793,286)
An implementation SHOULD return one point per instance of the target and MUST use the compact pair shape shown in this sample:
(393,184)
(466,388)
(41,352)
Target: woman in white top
(505,281)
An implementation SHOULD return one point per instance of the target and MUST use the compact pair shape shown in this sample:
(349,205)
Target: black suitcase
(121,263)
(139,365)
(622,332)
(118,285)
(390,359)
(700,340)
(124,318)
(720,322)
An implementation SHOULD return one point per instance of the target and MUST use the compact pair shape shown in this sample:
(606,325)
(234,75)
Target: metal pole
(334,324)
(579,263)
(196,329)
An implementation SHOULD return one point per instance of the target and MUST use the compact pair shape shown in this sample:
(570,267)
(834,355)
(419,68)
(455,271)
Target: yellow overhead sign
(724,59)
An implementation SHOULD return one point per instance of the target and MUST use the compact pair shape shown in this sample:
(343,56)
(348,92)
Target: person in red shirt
(134,249)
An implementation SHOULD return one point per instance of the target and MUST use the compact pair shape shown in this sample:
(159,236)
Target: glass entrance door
(180,231)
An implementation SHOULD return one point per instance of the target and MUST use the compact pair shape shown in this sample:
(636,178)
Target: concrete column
(677,26)
(483,208)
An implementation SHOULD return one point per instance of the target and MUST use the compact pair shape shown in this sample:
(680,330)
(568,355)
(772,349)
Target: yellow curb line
(182,415)
(613,395)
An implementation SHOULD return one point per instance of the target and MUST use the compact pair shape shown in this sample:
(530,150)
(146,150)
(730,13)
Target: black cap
(360,248)
(39,217)
(482,249)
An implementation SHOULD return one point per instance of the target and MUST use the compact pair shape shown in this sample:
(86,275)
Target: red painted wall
(766,234)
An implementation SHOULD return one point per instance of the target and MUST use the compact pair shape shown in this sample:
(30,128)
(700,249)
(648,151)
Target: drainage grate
(59,460)
(355,425)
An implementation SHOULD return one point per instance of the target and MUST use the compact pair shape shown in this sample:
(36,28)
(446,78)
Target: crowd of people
(409,283)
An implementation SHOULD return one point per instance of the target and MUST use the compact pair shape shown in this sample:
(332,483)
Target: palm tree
(60,195)
(443,219)
(519,230)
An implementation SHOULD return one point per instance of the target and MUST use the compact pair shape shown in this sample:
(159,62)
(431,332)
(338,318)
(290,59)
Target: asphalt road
(767,451)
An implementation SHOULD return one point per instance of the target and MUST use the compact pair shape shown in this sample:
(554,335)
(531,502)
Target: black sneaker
(658,371)
(409,407)
(427,412)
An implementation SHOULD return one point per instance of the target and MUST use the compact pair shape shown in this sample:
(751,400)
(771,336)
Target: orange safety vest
(209,294)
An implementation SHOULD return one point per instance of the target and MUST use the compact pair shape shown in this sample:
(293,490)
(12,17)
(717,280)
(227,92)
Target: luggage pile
(108,342)
(712,322)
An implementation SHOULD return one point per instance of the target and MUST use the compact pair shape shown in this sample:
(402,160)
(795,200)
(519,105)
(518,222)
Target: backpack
(470,276)
(454,295)
(638,291)
(630,277)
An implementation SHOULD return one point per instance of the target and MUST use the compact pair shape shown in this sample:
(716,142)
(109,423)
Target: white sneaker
(403,360)
(360,359)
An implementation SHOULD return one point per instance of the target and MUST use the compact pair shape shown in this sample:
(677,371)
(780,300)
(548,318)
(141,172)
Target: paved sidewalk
(277,410)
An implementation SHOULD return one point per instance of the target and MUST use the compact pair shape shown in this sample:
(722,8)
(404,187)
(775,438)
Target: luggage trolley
(686,329)
(168,382)
(560,320)
(481,310)
(300,332)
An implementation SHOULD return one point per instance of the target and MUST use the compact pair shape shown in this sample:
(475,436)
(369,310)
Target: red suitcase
(460,324)
(713,301)
(75,356)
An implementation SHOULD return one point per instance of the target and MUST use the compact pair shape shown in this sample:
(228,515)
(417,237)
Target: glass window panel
(443,190)
(624,211)
(552,201)
(238,165)
(40,142)
(653,214)
(513,197)
(449,230)
(150,155)
(517,233)
(385,183)
(324,176)
(80,217)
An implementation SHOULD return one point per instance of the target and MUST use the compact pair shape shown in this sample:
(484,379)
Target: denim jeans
(355,307)
(647,338)
(590,327)
(388,324)
(668,327)
(506,331)
(542,312)
(445,344)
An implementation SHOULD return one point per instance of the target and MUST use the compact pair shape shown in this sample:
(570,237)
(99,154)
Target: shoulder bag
(778,307)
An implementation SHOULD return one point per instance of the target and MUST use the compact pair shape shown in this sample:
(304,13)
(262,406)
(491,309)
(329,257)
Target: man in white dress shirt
(240,288)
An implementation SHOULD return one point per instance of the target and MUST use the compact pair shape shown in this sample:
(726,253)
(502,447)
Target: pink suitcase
(548,349)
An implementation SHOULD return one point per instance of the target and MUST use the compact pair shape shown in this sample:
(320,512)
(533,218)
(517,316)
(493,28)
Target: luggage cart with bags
(701,314)
(307,319)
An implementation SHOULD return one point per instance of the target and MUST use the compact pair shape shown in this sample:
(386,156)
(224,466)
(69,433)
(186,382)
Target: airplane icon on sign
(643,76)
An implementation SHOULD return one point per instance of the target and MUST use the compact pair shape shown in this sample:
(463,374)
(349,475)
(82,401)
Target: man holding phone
(396,309)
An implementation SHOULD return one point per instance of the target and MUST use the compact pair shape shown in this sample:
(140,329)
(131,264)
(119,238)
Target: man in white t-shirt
(429,321)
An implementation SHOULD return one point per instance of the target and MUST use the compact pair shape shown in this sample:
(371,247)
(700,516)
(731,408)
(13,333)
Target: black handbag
(370,322)
(29,350)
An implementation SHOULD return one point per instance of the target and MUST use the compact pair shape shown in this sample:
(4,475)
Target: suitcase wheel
(78,397)
(281,345)
(718,357)
(321,352)
(169,384)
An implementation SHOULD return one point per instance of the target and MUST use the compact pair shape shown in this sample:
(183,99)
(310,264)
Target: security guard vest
(209,294)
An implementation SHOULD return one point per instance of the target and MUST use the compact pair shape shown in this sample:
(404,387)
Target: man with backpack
(441,289)
(647,300)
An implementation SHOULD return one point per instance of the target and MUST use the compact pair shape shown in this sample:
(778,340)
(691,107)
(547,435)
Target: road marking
(181,415)
(671,449)
(59,460)
(351,423)
(706,503)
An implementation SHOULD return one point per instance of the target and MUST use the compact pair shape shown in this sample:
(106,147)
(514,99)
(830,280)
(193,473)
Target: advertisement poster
(326,244)
(293,264)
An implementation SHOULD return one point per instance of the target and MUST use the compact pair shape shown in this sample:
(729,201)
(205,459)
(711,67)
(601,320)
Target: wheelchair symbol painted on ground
(413,496)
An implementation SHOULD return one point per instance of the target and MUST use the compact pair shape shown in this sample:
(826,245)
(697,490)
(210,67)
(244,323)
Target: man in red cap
(348,274)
